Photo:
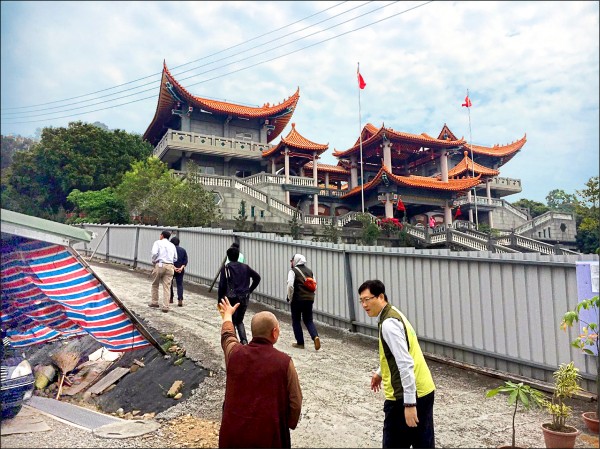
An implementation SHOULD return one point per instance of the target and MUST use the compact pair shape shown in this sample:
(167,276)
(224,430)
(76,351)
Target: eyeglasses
(364,300)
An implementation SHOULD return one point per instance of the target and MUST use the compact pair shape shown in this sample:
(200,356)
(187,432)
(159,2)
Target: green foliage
(566,384)
(486,229)
(11,145)
(153,196)
(81,156)
(241,219)
(295,226)
(97,206)
(519,393)
(589,335)
(588,217)
(370,231)
(535,207)
(559,200)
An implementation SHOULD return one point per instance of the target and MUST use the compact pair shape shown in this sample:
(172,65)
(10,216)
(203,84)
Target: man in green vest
(407,382)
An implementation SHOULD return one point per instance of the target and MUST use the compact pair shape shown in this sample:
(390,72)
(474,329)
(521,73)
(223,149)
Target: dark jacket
(241,275)
(300,291)
(182,258)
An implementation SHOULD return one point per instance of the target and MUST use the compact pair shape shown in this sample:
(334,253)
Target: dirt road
(339,410)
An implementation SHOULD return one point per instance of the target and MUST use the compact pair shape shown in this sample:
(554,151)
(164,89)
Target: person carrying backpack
(236,282)
(301,288)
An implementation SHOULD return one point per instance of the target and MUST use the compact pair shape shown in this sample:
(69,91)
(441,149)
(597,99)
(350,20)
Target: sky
(530,68)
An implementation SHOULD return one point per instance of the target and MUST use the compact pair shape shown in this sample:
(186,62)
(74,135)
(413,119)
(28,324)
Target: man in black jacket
(180,264)
(233,284)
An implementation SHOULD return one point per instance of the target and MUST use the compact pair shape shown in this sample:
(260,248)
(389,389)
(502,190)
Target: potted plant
(566,383)
(585,341)
(518,394)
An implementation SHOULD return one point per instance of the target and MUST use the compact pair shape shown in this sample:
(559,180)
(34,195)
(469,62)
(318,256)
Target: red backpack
(309,282)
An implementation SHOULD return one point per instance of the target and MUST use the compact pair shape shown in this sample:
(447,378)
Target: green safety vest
(392,385)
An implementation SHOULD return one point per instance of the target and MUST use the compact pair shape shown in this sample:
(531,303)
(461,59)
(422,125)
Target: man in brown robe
(262,393)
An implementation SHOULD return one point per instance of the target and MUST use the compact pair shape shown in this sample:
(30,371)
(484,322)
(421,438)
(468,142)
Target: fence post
(107,243)
(135,251)
(348,278)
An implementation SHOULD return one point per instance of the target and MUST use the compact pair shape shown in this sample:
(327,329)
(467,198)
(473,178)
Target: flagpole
(473,162)
(362,188)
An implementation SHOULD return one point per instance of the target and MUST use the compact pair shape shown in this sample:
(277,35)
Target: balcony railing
(189,141)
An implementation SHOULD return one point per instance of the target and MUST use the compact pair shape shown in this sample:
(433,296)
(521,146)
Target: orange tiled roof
(294,140)
(466,165)
(279,115)
(423,140)
(326,168)
(422,182)
(497,150)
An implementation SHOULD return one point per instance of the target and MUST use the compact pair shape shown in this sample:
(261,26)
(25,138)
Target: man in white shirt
(164,255)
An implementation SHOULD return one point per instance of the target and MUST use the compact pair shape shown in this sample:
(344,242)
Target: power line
(182,65)
(27,113)
(250,66)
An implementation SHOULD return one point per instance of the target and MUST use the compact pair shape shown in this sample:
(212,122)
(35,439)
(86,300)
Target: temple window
(252,211)
(243,136)
(242,173)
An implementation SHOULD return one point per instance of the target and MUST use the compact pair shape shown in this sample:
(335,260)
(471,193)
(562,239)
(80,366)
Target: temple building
(240,154)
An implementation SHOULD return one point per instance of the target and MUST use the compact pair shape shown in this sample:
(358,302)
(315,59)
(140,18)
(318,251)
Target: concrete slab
(26,421)
(127,429)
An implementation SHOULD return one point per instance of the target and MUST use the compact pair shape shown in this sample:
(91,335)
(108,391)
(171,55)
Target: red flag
(458,213)
(467,102)
(400,205)
(361,81)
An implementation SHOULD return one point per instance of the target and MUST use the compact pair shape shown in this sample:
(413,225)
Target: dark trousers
(302,310)
(395,431)
(178,278)
(238,318)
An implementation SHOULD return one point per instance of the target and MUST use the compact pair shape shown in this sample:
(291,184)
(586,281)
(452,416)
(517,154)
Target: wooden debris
(108,380)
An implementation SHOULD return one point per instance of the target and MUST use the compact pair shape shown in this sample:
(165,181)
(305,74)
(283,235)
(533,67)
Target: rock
(175,388)
(178,396)
(178,361)
(87,396)
(134,368)
(120,412)
(135,412)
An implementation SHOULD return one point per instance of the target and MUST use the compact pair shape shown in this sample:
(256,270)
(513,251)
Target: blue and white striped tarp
(48,293)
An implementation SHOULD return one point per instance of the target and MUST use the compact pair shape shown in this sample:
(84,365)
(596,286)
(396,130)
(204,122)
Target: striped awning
(48,293)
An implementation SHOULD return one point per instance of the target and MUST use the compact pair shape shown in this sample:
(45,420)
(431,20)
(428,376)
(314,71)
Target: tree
(10,145)
(588,218)
(97,206)
(240,220)
(558,200)
(81,156)
(142,188)
(535,207)
(370,231)
(153,196)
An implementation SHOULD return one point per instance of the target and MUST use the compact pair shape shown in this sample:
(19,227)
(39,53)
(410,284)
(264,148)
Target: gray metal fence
(499,311)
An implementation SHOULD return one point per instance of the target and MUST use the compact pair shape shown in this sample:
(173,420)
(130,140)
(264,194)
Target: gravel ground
(338,410)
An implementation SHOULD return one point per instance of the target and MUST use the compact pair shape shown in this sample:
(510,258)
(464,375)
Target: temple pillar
(488,190)
(491,218)
(447,211)
(389,206)
(226,126)
(186,123)
(273,166)
(469,199)
(326,180)
(316,184)
(444,166)
(353,172)
(287,174)
(387,154)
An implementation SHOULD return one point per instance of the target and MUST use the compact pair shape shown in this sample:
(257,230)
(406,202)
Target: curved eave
(497,150)
(419,182)
(422,140)
(280,114)
(467,165)
(162,114)
(295,141)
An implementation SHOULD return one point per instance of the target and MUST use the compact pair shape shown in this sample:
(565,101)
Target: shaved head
(262,324)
